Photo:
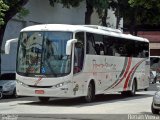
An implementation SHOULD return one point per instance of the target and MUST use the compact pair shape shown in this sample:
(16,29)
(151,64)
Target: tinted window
(8,76)
(114,46)
(90,44)
(79,52)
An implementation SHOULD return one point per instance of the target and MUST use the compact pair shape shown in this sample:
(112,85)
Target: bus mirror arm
(8,44)
(69,46)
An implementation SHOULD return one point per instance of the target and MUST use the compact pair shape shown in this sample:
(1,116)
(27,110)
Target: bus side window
(90,44)
(101,49)
(79,52)
(108,45)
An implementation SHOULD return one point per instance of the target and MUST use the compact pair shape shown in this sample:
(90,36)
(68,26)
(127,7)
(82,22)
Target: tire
(133,91)
(90,94)
(43,99)
(146,89)
(154,111)
(130,92)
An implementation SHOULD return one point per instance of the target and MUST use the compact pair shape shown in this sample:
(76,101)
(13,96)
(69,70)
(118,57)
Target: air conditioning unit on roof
(103,28)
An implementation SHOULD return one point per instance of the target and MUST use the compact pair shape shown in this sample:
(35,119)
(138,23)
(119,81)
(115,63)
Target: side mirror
(8,44)
(69,46)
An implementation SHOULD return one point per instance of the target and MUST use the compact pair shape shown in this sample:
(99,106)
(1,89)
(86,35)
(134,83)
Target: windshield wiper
(49,65)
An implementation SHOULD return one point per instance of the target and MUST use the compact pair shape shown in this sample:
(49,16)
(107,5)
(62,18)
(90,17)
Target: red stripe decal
(39,79)
(129,75)
(126,71)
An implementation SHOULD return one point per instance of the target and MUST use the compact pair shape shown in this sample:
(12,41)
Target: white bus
(80,61)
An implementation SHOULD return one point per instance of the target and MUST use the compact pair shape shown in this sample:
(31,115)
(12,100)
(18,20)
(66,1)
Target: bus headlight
(59,85)
(21,83)
(62,84)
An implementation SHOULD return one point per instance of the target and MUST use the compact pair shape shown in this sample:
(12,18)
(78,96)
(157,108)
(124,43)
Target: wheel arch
(92,81)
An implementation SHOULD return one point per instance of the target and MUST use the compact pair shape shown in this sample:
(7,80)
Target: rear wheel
(146,89)
(43,99)
(132,92)
(154,111)
(91,93)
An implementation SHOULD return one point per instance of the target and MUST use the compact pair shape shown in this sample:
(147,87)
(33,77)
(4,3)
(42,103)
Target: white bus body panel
(28,86)
(110,74)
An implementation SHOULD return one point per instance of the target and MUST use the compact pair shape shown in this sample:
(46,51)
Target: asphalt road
(105,107)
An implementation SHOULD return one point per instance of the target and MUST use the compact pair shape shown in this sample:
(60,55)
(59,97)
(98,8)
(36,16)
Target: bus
(58,60)
(154,69)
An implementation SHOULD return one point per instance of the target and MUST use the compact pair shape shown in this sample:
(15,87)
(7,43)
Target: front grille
(40,86)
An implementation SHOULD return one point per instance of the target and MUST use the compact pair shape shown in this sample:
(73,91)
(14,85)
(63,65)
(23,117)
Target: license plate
(39,91)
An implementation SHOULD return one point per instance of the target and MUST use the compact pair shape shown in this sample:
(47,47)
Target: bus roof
(86,28)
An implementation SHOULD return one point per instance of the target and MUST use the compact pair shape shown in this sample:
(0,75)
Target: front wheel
(91,93)
(43,99)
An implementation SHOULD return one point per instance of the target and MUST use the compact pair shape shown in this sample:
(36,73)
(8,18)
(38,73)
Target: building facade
(154,39)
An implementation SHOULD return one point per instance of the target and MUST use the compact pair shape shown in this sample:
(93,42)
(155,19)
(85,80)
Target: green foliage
(3,7)
(23,12)
(150,11)
(100,6)
(66,3)
(9,8)
(148,4)
(121,10)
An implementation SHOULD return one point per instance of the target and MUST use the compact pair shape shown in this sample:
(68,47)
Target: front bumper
(63,91)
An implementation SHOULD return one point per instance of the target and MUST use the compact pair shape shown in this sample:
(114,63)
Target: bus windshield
(43,53)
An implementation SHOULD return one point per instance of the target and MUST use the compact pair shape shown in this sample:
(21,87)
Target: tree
(141,12)
(119,7)
(66,3)
(3,8)
(101,7)
(12,8)
(8,9)
(134,13)
(151,11)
